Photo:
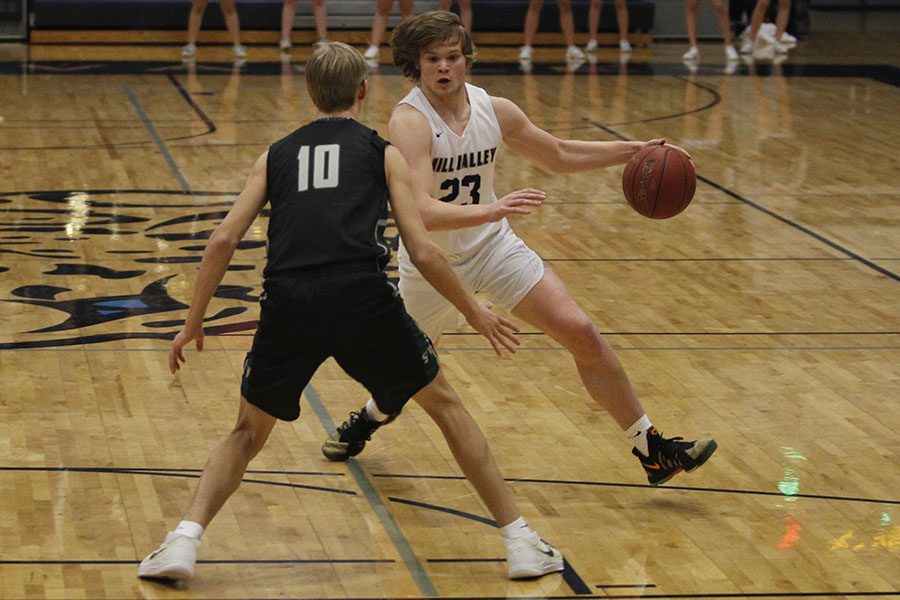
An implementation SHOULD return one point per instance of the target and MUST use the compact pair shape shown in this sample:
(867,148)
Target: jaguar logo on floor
(92,266)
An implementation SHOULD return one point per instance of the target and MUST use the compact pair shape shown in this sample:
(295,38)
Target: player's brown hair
(414,35)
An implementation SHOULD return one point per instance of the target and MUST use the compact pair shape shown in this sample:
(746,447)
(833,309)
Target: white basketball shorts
(504,269)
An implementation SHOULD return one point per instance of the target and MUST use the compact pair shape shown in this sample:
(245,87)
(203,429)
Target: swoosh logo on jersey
(438,134)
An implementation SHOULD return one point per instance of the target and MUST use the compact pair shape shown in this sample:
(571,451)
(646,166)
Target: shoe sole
(704,456)
(545,569)
(341,453)
(171,572)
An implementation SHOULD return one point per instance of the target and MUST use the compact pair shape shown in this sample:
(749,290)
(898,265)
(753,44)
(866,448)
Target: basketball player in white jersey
(450,131)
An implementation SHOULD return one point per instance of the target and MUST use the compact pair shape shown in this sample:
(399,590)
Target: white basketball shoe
(173,560)
(530,556)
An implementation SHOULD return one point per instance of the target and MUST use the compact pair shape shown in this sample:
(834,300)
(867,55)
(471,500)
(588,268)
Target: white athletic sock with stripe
(190,529)
(637,434)
(517,529)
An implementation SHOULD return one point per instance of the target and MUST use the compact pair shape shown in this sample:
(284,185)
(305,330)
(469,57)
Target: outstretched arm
(217,257)
(555,154)
(411,134)
(432,262)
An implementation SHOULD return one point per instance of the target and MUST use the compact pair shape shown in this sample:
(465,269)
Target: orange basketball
(659,181)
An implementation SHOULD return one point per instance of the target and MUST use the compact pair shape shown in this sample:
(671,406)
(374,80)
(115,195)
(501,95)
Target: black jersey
(328,195)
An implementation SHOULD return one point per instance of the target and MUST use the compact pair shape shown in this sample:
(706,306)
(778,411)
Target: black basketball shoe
(350,438)
(670,456)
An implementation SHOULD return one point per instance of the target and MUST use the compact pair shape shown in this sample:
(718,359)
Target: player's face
(443,68)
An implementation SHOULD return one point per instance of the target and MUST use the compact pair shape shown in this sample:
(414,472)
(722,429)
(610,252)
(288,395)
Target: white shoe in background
(767,32)
(574,53)
(788,40)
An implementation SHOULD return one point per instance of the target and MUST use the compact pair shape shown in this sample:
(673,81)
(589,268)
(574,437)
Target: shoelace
(673,450)
(355,425)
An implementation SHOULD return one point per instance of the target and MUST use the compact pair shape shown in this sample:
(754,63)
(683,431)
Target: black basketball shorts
(358,318)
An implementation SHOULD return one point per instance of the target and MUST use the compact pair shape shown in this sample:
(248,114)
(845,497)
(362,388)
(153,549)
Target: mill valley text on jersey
(442,164)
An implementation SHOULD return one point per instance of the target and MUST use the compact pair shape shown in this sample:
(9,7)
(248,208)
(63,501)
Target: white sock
(374,413)
(190,529)
(517,529)
(637,434)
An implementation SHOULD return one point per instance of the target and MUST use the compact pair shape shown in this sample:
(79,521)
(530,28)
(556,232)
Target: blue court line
(371,494)
(157,139)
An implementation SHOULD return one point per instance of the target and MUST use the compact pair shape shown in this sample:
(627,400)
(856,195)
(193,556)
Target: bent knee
(249,440)
(582,339)
(439,400)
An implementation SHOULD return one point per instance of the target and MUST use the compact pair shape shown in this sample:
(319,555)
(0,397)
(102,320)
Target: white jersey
(463,168)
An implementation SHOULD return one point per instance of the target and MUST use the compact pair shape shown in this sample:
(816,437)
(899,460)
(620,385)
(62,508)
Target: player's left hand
(500,332)
(662,142)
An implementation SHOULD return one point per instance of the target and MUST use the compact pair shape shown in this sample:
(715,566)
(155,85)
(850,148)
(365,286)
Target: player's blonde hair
(333,75)
(414,35)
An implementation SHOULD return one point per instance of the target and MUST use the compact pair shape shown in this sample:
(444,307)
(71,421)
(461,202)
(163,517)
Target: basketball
(659,181)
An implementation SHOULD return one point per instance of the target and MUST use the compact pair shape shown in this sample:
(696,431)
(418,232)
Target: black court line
(672,596)
(716,100)
(163,470)
(465,560)
(180,473)
(625,585)
(708,259)
(259,561)
(575,582)
(569,575)
(697,333)
(443,509)
(622,485)
(210,125)
(882,73)
(802,228)
(789,222)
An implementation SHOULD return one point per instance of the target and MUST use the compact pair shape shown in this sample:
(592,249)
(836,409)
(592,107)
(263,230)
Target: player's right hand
(500,332)
(515,203)
(184,337)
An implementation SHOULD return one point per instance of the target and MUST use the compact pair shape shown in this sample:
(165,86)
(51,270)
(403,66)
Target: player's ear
(363,89)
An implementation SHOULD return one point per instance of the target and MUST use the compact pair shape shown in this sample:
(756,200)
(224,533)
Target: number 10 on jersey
(325,167)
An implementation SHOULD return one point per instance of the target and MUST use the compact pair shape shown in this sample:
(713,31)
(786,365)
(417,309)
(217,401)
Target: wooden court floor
(765,316)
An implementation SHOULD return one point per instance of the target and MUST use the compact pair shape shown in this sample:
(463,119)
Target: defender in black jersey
(325,295)
(325,292)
